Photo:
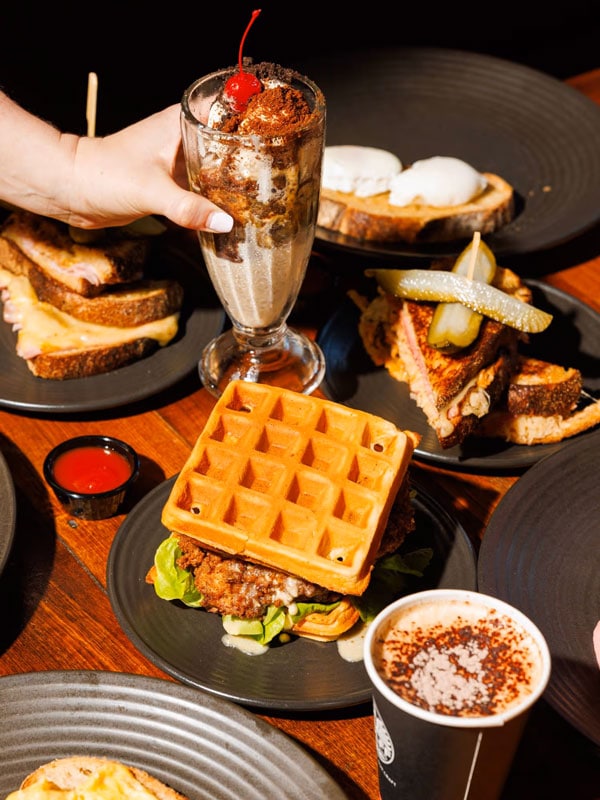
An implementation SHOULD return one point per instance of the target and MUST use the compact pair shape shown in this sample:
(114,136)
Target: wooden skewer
(471,269)
(90,111)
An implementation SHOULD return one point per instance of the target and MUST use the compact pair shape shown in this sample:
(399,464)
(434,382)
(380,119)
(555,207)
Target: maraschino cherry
(243,85)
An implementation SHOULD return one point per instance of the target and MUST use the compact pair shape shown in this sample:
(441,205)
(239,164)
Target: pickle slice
(454,326)
(448,287)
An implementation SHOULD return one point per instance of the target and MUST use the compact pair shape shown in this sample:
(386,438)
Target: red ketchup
(91,470)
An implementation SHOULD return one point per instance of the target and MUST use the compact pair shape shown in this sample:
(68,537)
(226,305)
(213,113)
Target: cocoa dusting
(278,110)
(470,669)
(273,112)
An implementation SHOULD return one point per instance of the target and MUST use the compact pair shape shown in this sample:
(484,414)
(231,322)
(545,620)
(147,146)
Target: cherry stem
(248,26)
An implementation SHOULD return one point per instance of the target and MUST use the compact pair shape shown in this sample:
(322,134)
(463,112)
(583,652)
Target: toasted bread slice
(122,306)
(544,404)
(69,364)
(374,219)
(537,429)
(543,389)
(454,391)
(75,772)
(59,346)
(86,269)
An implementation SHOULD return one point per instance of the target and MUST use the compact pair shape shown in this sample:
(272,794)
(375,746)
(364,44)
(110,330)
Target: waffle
(292,481)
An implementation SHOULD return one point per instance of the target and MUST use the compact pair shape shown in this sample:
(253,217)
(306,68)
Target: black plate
(186,642)
(538,133)
(199,745)
(201,319)
(572,339)
(541,552)
(8,512)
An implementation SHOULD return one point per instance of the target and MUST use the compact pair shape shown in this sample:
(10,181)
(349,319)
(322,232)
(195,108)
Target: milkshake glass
(267,176)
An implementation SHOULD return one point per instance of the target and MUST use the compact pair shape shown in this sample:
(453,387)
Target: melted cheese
(42,328)
(109,782)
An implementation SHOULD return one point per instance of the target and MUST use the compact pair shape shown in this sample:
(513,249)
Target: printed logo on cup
(385,745)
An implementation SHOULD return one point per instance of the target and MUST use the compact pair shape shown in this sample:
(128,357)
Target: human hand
(136,172)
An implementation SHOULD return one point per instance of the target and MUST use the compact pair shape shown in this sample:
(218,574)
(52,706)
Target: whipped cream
(364,171)
(436,181)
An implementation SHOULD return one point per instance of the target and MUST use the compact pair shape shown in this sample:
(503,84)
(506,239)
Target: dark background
(146,54)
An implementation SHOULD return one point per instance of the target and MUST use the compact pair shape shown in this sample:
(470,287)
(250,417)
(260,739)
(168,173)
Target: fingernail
(219,222)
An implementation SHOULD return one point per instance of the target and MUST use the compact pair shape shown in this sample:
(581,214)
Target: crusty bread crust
(374,219)
(71,772)
(68,364)
(46,242)
(543,389)
(123,306)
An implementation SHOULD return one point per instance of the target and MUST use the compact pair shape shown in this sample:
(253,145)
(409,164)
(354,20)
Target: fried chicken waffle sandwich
(280,512)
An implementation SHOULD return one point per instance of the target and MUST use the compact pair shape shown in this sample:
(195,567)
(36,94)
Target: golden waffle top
(298,483)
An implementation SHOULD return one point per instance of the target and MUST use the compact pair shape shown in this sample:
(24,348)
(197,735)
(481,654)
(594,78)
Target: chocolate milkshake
(259,158)
(264,171)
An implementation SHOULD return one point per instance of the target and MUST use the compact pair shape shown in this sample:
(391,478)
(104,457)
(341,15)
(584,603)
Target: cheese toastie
(487,387)
(82,309)
(454,389)
(91,777)
(544,403)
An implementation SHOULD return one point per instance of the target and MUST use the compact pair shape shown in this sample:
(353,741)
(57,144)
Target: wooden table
(55,581)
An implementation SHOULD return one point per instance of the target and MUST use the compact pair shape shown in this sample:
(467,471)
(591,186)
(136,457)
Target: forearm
(36,162)
(96,182)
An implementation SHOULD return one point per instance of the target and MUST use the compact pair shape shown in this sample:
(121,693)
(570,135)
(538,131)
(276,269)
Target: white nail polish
(219,222)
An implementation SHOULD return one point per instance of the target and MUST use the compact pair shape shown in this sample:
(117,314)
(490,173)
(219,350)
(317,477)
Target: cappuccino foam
(457,658)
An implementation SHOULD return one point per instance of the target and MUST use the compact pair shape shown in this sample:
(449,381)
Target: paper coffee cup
(454,674)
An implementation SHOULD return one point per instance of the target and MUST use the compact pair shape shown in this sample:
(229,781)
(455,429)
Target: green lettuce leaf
(171,582)
(276,620)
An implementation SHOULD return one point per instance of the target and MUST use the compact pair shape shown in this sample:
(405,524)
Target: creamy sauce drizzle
(245,645)
(350,645)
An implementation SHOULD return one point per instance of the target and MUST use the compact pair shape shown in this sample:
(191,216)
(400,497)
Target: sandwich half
(281,512)
(81,310)
(544,403)
(455,390)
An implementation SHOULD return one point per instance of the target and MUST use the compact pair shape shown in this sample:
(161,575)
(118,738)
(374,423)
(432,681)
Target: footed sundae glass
(267,176)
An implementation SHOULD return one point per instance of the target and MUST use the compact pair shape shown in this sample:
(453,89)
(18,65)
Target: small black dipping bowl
(92,505)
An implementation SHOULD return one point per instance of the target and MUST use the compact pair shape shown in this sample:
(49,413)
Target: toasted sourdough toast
(541,405)
(122,305)
(374,219)
(82,268)
(542,388)
(73,772)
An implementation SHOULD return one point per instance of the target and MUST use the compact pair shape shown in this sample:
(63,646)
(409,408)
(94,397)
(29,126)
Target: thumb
(191,210)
